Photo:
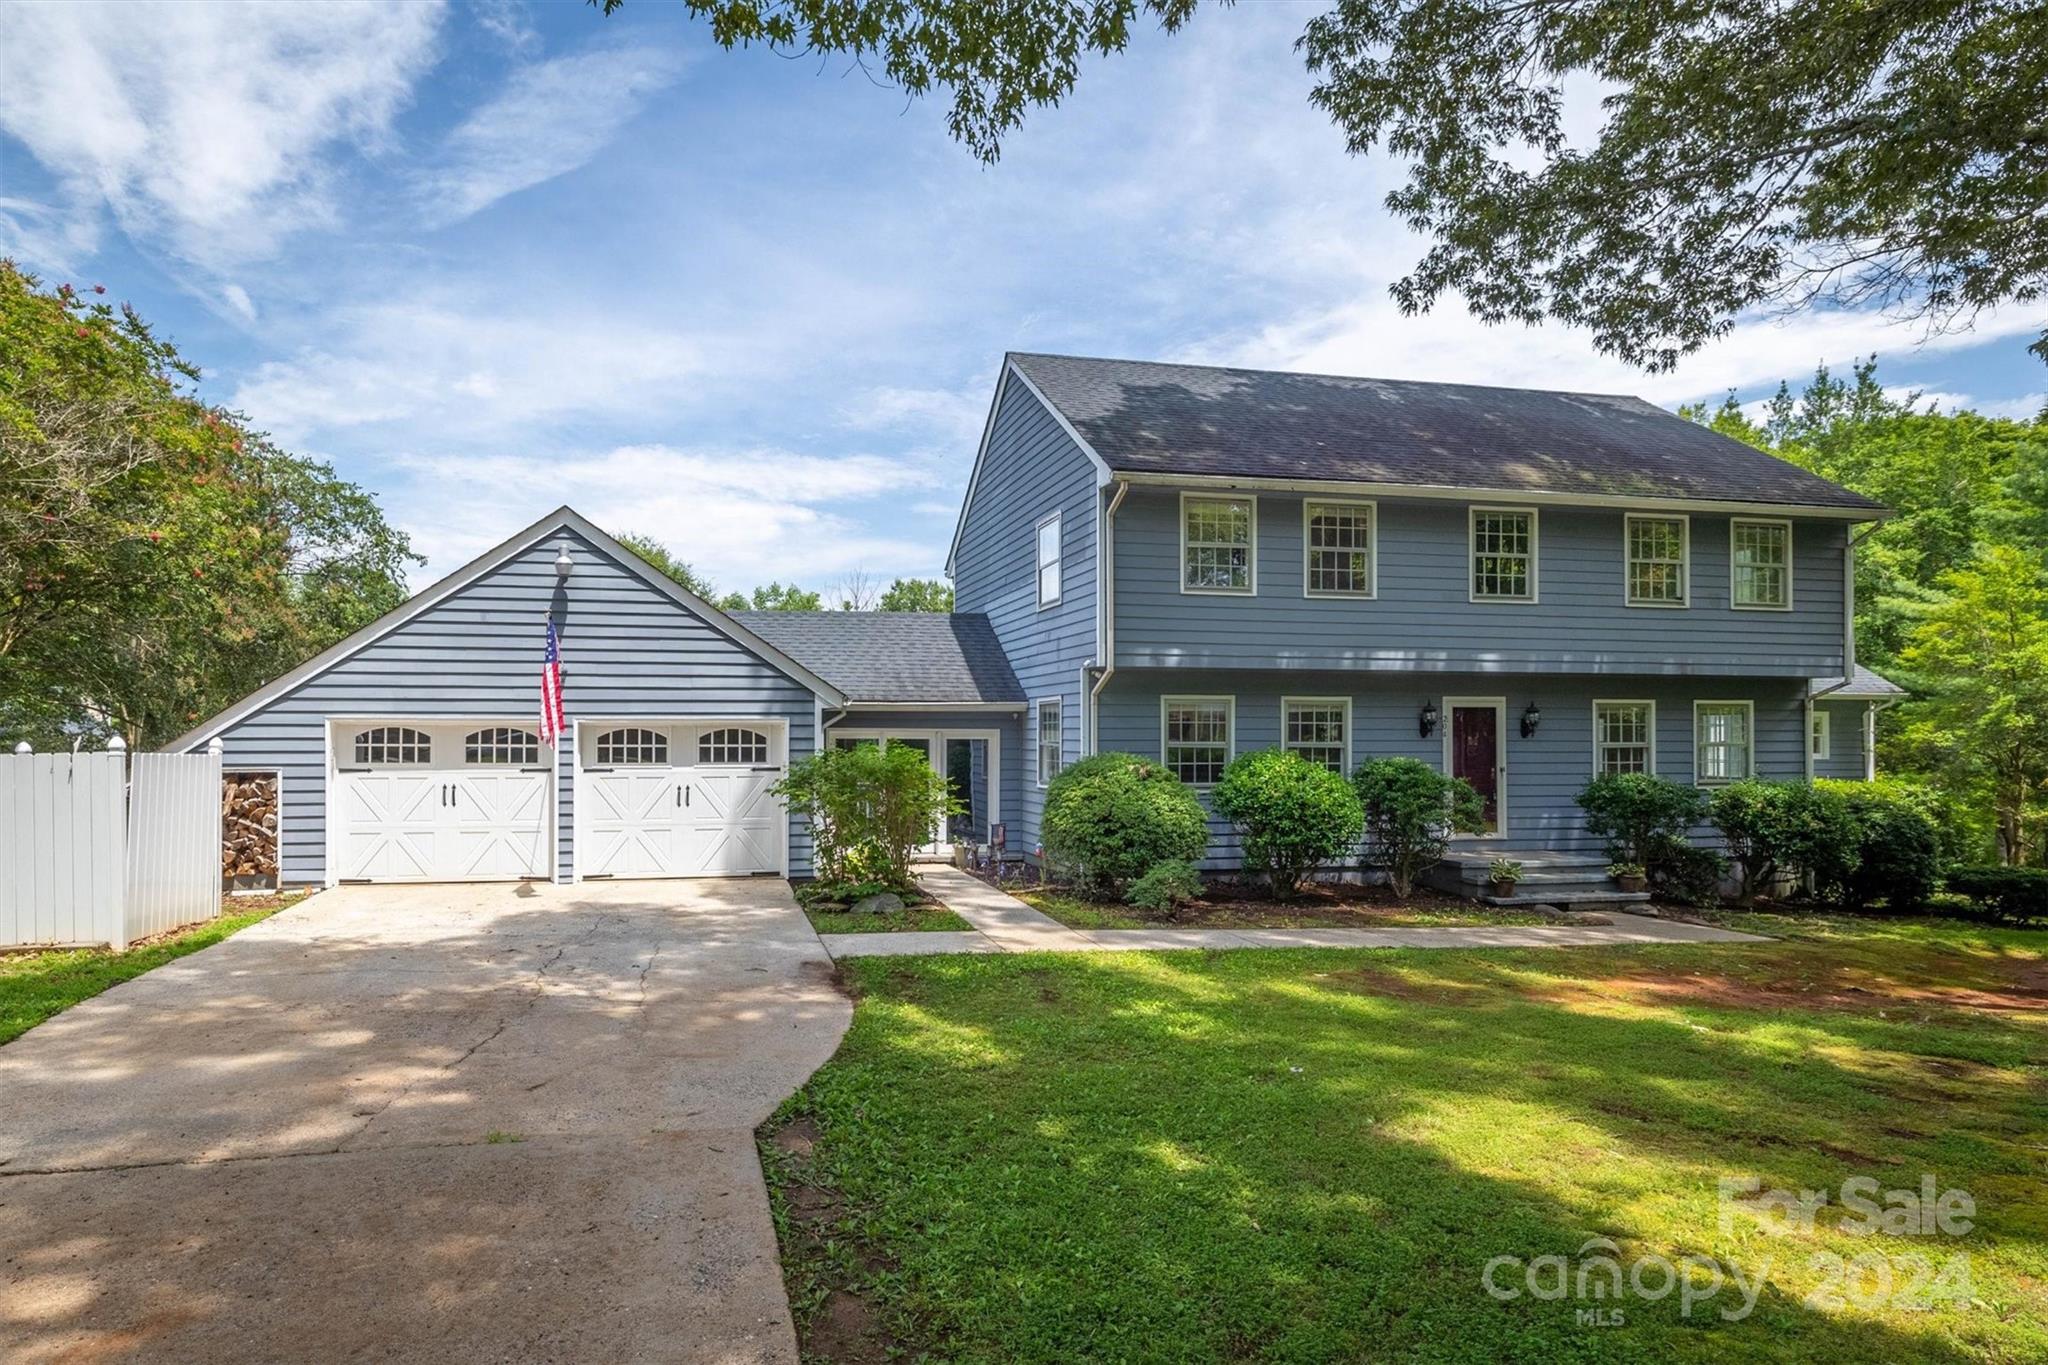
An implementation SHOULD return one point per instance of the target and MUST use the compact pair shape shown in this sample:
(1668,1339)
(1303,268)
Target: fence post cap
(24,748)
(214,746)
(115,744)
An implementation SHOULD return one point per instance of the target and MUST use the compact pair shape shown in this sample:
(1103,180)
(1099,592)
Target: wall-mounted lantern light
(1428,719)
(562,562)
(1531,718)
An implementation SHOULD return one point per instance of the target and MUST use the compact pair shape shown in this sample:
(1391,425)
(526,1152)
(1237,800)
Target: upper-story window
(1338,548)
(1218,544)
(1194,737)
(1624,737)
(1503,554)
(1760,568)
(1659,553)
(1049,560)
(1724,741)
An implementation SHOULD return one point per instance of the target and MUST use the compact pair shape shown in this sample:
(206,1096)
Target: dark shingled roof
(1143,417)
(929,656)
(1861,685)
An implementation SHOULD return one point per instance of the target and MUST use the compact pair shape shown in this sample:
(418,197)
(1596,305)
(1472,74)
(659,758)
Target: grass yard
(1317,907)
(1313,1155)
(36,985)
(911,919)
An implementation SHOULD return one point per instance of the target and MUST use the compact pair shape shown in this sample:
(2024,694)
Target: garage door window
(502,745)
(632,746)
(393,744)
(732,746)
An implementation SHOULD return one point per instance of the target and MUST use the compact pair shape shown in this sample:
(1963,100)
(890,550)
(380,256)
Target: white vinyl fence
(91,852)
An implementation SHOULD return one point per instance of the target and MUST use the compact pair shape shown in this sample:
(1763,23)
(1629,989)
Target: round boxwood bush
(1291,815)
(1113,817)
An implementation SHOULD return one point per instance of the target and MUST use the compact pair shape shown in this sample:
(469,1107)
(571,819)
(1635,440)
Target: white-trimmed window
(732,744)
(1724,741)
(1503,554)
(393,744)
(1760,564)
(1659,557)
(1049,560)
(1218,544)
(1338,548)
(1318,729)
(501,744)
(1624,737)
(1051,740)
(1194,737)
(1821,742)
(632,745)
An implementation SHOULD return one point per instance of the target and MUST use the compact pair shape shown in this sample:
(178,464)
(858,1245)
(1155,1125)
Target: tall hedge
(1113,817)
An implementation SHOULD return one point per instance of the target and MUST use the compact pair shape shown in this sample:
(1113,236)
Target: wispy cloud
(202,127)
(549,118)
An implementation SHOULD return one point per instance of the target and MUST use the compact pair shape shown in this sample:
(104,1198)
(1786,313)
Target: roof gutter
(1107,574)
(1455,493)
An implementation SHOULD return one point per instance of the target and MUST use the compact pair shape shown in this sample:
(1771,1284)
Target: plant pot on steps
(1503,889)
(1632,885)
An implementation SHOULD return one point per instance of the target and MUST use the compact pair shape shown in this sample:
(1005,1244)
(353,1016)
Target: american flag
(551,689)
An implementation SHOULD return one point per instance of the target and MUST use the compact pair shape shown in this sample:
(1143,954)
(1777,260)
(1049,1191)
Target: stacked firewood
(248,826)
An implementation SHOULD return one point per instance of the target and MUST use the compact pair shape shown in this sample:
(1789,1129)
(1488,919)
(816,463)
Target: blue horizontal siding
(1845,741)
(1544,771)
(1422,619)
(628,651)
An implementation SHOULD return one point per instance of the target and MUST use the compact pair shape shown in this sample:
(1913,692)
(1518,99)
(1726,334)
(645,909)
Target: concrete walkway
(1004,924)
(506,1122)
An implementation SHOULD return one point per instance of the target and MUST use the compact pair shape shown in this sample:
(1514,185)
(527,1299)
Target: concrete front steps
(1569,881)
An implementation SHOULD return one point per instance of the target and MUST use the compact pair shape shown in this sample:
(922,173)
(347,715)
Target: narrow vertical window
(1195,738)
(1624,737)
(1051,739)
(1760,571)
(1821,742)
(1049,560)
(1218,542)
(1337,539)
(1723,742)
(1503,555)
(1657,559)
(1318,729)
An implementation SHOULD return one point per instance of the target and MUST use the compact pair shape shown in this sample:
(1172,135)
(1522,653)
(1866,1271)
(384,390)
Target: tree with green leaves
(158,558)
(781,597)
(917,594)
(1751,154)
(662,558)
(1979,653)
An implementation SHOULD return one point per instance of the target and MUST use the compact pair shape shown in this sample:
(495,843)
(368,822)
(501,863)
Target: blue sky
(489,257)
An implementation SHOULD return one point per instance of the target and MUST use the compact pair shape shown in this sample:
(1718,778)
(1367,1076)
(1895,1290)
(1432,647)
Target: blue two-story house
(1526,588)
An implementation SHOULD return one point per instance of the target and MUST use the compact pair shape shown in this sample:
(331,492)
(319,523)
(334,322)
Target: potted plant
(1629,876)
(1504,873)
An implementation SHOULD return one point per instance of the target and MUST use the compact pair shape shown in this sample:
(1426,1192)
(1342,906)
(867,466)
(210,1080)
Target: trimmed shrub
(1291,815)
(1167,887)
(1113,817)
(869,808)
(1775,827)
(1411,811)
(1683,873)
(1635,812)
(2019,894)
(1898,849)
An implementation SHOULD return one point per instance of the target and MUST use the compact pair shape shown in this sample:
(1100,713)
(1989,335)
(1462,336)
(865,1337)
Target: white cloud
(204,125)
(507,22)
(550,118)
(2025,408)
(950,416)
(740,516)
(239,302)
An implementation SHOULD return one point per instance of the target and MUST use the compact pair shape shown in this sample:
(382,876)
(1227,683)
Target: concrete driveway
(422,1123)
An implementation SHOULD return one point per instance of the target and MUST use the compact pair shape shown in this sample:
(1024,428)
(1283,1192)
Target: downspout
(1107,572)
(1870,735)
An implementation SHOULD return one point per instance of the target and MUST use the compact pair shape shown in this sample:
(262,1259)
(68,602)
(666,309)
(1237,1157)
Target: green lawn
(1312,1155)
(916,918)
(34,986)
(1311,912)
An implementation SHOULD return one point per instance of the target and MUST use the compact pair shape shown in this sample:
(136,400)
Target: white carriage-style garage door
(430,801)
(680,798)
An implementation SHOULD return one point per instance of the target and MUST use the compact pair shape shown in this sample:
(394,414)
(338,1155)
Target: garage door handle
(686,794)
(679,793)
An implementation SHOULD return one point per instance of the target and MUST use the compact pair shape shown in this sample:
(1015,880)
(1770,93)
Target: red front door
(1475,754)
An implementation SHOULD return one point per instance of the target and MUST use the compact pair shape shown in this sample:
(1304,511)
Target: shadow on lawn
(1314,1155)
